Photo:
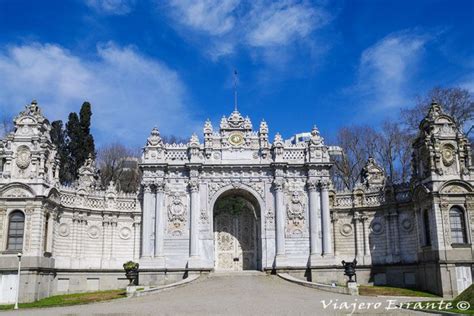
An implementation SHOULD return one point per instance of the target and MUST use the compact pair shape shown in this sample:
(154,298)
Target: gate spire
(235,90)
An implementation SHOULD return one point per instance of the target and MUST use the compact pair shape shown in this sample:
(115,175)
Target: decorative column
(314,223)
(365,227)
(159,224)
(388,244)
(280,218)
(396,234)
(147,223)
(326,219)
(194,227)
(49,233)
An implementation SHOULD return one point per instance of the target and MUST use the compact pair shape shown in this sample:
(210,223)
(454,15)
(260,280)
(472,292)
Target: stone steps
(236,273)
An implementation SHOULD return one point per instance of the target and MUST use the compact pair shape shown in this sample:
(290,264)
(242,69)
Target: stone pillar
(280,218)
(388,244)
(314,223)
(49,234)
(194,227)
(159,219)
(365,227)
(326,220)
(147,223)
(396,239)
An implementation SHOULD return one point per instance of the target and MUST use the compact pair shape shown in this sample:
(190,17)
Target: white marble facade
(290,218)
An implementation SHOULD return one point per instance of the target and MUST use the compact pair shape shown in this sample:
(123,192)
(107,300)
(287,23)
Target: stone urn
(131,272)
(350,269)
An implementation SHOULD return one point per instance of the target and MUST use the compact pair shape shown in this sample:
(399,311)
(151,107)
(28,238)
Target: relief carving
(177,214)
(295,215)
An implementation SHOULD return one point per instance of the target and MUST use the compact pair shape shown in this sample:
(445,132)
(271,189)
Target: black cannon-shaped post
(350,269)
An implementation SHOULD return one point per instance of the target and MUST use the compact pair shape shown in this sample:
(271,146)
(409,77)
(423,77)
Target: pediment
(458,187)
(17,191)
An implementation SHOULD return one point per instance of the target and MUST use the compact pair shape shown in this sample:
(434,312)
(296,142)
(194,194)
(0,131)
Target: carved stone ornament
(377,227)
(295,209)
(125,233)
(407,224)
(23,157)
(346,229)
(448,155)
(93,232)
(176,216)
(63,230)
(154,139)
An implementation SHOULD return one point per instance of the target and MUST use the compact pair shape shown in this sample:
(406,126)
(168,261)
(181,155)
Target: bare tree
(393,150)
(173,139)
(456,102)
(357,143)
(6,125)
(119,163)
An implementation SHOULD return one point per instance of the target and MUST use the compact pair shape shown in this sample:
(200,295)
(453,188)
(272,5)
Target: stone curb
(132,290)
(319,286)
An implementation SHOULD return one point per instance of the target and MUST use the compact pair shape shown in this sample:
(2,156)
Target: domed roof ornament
(207,127)
(154,139)
(263,127)
(194,141)
(316,138)
(435,110)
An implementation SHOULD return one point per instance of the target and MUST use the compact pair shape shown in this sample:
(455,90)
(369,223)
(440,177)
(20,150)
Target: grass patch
(369,290)
(438,306)
(140,289)
(71,299)
(462,304)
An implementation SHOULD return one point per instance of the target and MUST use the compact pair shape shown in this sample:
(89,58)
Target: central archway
(236,231)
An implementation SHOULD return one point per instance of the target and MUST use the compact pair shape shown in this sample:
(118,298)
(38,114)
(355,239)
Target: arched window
(457,224)
(16,228)
(426,226)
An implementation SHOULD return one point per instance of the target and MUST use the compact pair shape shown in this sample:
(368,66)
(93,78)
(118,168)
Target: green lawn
(71,299)
(462,304)
(368,290)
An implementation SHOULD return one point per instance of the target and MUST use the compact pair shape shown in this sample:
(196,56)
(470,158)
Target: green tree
(58,137)
(74,142)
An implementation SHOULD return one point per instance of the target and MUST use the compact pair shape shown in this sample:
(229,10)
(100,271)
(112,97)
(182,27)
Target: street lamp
(18,283)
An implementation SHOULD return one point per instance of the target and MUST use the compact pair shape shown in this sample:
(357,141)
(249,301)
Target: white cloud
(113,7)
(282,22)
(261,24)
(386,68)
(130,93)
(211,16)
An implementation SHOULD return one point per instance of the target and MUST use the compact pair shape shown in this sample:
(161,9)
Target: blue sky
(170,63)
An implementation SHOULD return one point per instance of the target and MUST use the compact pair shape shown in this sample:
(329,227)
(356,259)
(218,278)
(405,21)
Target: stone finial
(435,110)
(87,173)
(372,175)
(263,127)
(194,141)
(247,123)
(224,124)
(278,140)
(207,127)
(316,138)
(154,139)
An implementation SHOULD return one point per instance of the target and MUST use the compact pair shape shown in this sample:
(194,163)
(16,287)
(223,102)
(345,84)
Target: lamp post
(18,283)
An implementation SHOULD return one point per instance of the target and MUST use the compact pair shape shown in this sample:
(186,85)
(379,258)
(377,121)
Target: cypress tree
(87,139)
(74,144)
(58,138)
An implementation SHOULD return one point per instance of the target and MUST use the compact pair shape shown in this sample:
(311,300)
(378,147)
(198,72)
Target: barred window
(426,226)
(16,228)
(458,226)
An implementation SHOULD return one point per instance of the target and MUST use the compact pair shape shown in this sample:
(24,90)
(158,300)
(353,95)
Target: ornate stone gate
(236,234)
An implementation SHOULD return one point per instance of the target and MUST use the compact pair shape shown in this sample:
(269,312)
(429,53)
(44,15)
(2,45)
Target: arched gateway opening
(237,231)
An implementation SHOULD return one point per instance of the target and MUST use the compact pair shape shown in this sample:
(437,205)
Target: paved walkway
(230,295)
